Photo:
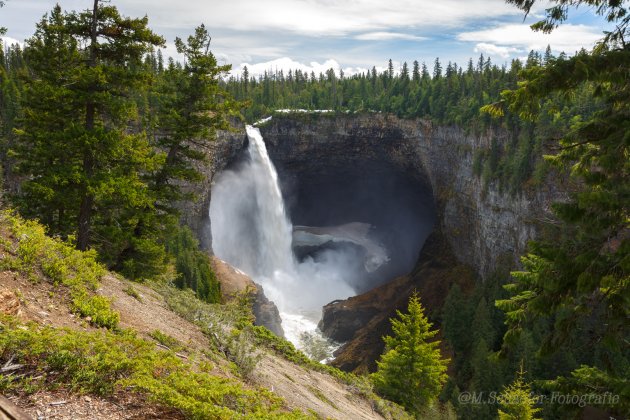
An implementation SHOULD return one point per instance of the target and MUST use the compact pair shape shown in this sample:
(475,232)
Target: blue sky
(352,35)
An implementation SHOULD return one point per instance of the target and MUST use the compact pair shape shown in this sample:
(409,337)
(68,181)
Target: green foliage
(84,167)
(516,401)
(3,30)
(102,362)
(612,11)
(597,387)
(576,277)
(411,371)
(189,106)
(102,134)
(131,291)
(450,97)
(240,349)
(581,266)
(193,266)
(33,253)
(96,309)
(228,327)
(280,346)
(166,340)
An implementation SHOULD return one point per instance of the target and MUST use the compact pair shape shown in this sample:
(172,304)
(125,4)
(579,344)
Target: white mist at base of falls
(251,231)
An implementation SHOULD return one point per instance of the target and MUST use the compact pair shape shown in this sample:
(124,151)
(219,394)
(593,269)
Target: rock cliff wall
(220,153)
(477,226)
(482,225)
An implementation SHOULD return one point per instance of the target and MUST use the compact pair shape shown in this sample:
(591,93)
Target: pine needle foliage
(517,402)
(412,371)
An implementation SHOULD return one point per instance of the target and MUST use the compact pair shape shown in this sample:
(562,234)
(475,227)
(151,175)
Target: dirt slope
(42,302)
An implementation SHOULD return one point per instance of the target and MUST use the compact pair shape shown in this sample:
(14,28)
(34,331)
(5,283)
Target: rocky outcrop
(234,283)
(266,312)
(341,319)
(220,153)
(9,302)
(435,273)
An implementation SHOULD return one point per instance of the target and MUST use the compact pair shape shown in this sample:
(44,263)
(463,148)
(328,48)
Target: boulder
(266,312)
(9,302)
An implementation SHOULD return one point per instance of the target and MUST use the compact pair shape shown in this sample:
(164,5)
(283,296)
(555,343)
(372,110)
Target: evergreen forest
(99,131)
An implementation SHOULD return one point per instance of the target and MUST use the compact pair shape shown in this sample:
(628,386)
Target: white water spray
(251,230)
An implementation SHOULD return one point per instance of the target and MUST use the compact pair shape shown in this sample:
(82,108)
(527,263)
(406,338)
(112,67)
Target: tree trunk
(85,221)
(87,198)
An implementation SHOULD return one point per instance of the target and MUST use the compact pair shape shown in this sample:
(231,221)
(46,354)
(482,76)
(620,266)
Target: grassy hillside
(80,331)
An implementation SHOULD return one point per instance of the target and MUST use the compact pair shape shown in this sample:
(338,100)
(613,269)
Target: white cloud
(351,31)
(285,64)
(318,17)
(495,50)
(387,36)
(568,38)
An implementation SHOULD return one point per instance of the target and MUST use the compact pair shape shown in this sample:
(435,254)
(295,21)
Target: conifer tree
(3,30)
(415,75)
(84,166)
(581,268)
(192,107)
(516,401)
(404,73)
(411,371)
(437,68)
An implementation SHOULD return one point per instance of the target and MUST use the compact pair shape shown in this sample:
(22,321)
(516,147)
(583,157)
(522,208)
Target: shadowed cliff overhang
(353,188)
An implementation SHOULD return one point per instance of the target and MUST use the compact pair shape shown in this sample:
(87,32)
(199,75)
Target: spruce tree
(84,164)
(192,106)
(416,72)
(516,401)
(437,68)
(411,371)
(580,269)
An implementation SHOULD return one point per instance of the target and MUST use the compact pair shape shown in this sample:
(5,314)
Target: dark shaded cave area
(398,205)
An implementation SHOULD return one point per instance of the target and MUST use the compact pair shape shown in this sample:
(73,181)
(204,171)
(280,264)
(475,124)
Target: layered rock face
(220,154)
(481,224)
(476,226)
(365,318)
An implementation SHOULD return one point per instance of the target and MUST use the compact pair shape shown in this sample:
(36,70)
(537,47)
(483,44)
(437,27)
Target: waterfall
(275,229)
(251,231)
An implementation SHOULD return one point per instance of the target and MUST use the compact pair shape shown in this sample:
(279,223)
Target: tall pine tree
(84,166)
(192,106)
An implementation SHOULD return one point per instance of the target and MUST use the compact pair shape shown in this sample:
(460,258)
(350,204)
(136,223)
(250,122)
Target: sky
(352,35)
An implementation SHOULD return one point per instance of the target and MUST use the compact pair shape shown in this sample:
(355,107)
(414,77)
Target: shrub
(102,362)
(33,253)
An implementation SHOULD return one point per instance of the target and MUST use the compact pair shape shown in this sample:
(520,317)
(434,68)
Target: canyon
(409,177)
